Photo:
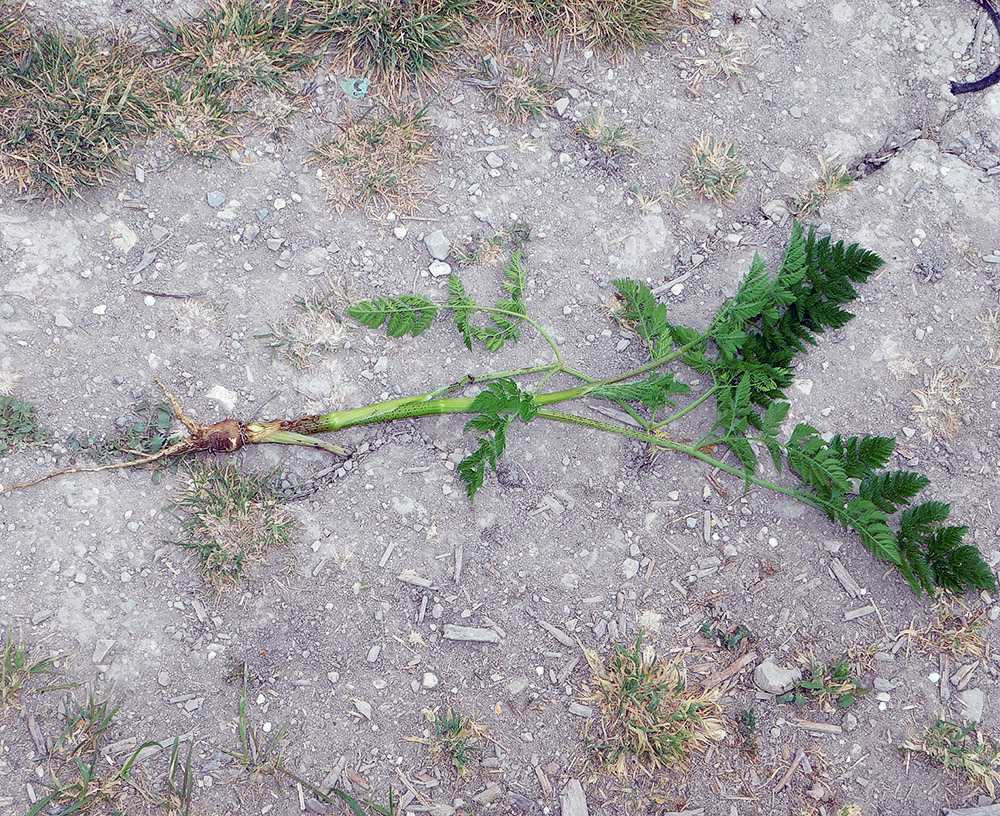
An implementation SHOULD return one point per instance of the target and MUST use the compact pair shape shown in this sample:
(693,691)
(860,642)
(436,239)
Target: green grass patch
(389,41)
(960,748)
(70,109)
(231,521)
(17,668)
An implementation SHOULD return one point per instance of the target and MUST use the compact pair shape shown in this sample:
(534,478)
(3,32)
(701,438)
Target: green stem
(685,410)
(653,439)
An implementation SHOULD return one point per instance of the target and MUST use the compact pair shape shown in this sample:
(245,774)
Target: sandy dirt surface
(580,539)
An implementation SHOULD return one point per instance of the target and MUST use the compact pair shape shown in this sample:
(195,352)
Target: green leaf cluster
(507,315)
(406,314)
(758,333)
(654,392)
(927,553)
(413,314)
(495,407)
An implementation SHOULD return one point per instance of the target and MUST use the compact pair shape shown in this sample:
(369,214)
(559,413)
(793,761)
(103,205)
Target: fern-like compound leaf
(890,489)
(654,392)
(818,464)
(863,455)
(872,526)
(495,408)
(645,316)
(406,314)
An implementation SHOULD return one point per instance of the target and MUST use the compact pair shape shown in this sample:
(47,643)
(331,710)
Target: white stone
(437,244)
(439,268)
(630,567)
(770,677)
(223,396)
(429,680)
(123,237)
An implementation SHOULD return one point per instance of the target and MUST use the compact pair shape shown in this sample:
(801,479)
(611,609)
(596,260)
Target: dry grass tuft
(609,140)
(71,108)
(952,746)
(989,327)
(234,52)
(939,410)
(648,716)
(832,179)
(316,329)
(954,629)
(375,163)
(231,521)
(730,60)
(389,41)
(517,94)
(455,738)
(714,169)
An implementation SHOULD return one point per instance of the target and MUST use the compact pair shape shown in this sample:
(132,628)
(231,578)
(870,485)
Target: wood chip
(851,587)
(944,663)
(987,810)
(470,633)
(459,557)
(386,554)
(543,780)
(818,727)
(36,735)
(573,800)
(963,676)
(410,577)
(787,776)
(557,633)
(853,614)
(734,668)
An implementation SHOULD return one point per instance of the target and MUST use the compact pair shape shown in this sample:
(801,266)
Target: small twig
(179,296)
(787,776)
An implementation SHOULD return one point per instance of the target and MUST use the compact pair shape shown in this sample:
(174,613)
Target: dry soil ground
(581,540)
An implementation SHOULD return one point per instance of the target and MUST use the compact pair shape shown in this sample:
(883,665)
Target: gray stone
(494,161)
(41,616)
(163,678)
(850,722)
(6,311)
(437,244)
(561,105)
(374,652)
(470,633)
(629,568)
(158,233)
(216,199)
(973,701)
(580,710)
(573,800)
(62,321)
(104,645)
(429,680)
(770,677)
(439,269)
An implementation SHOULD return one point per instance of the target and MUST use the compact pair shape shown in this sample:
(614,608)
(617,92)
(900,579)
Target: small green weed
(648,715)
(146,434)
(832,179)
(455,738)
(747,730)
(609,140)
(258,757)
(82,782)
(58,133)
(17,669)
(389,41)
(179,782)
(493,250)
(231,521)
(732,639)
(714,169)
(951,745)
(19,425)
(828,685)
(374,164)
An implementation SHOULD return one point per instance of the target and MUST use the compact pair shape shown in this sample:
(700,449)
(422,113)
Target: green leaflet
(506,327)
(654,392)
(648,318)
(495,408)
(406,314)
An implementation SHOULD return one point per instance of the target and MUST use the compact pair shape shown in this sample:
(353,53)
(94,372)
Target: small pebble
(149,300)
(429,680)
(216,199)
(280,203)
(6,311)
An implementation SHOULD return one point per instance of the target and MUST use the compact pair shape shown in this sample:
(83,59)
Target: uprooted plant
(747,353)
